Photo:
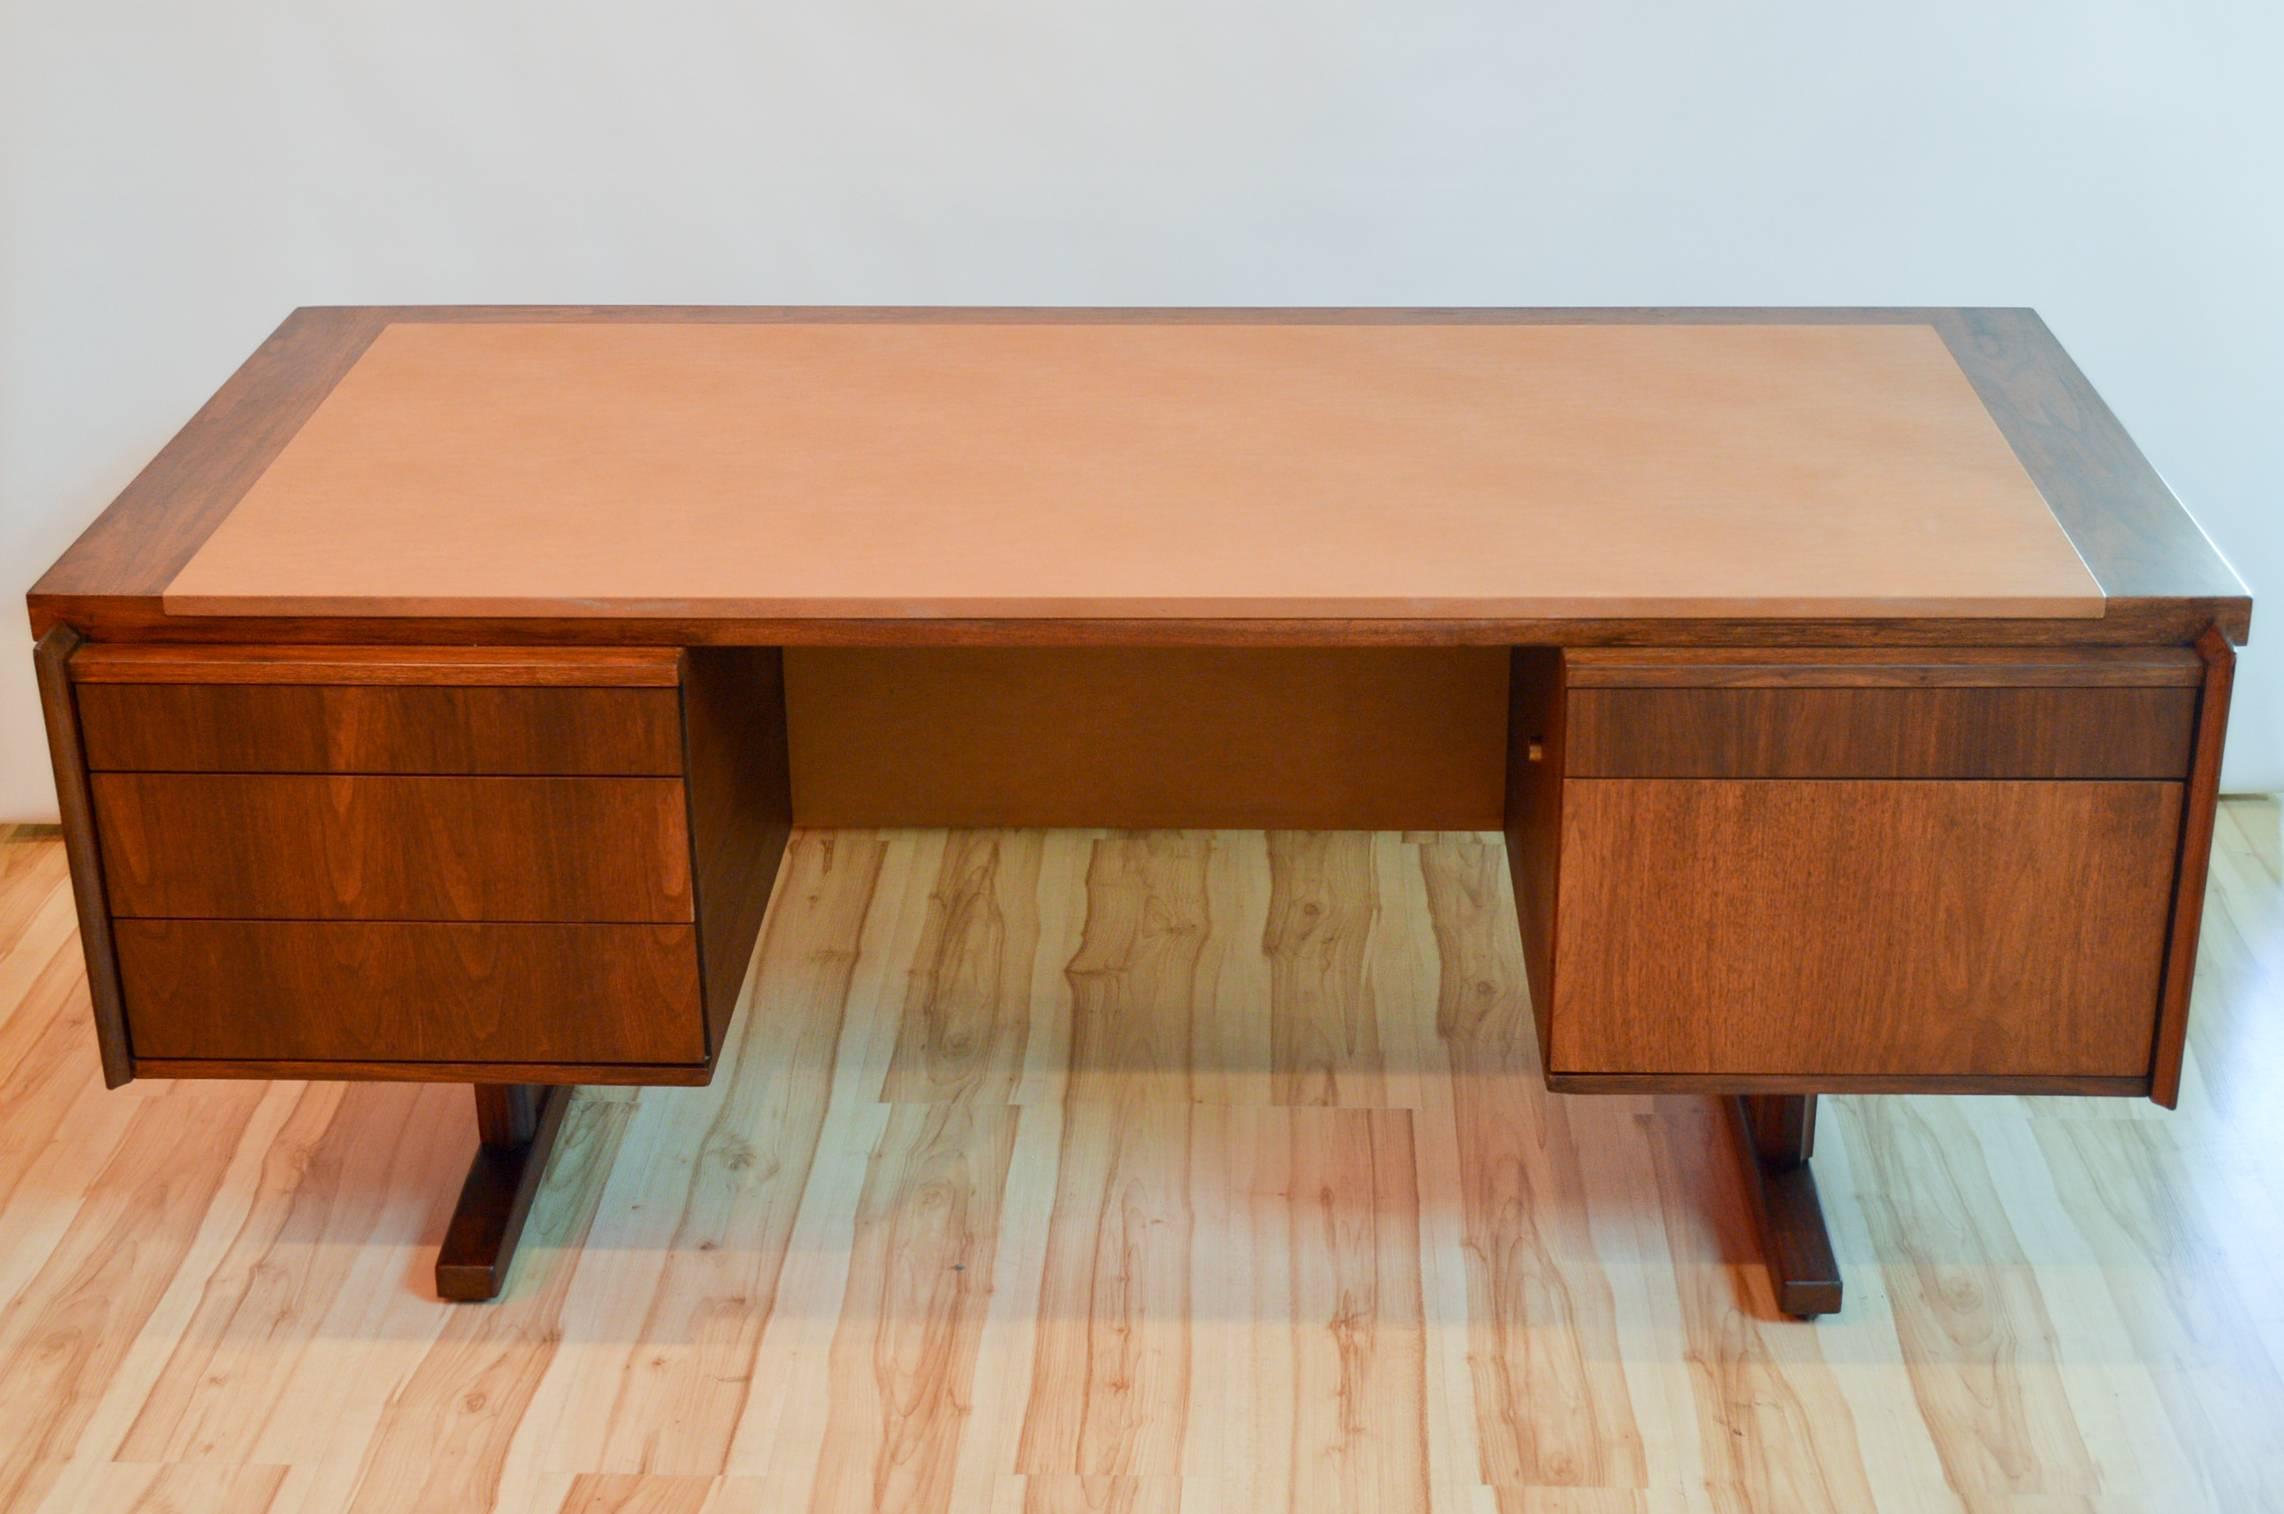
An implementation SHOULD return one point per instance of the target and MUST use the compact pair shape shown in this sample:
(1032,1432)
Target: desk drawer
(362,728)
(1881,733)
(388,848)
(1853,928)
(1937,714)
(230,990)
(363,710)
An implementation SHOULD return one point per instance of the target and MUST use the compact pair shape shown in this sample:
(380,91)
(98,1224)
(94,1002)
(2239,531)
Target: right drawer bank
(1768,870)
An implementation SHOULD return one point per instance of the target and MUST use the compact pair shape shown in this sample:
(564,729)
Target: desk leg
(516,1124)
(1778,1132)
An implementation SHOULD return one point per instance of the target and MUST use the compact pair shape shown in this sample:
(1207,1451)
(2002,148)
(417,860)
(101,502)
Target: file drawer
(1850,928)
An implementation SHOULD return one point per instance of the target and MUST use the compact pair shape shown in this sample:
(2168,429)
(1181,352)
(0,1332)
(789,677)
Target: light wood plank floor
(1078,1171)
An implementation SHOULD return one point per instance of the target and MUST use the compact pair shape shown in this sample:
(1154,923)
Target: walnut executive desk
(1849,689)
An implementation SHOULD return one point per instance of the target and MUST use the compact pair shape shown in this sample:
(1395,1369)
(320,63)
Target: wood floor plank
(163,1488)
(625,1493)
(2159,1258)
(1323,902)
(2239,1059)
(44,928)
(1775,1432)
(636,1493)
(1551,1402)
(1241,1405)
(1111,1366)
(1048,1493)
(1135,983)
(322,1198)
(690,1250)
(790,1371)
(1009,1345)
(36,912)
(49,1059)
(1359,1442)
(1308,1383)
(1110,1375)
(732,1190)
(920,1280)
(63,1336)
(1232,1057)
(1065,857)
(1977,1340)
(442,1442)
(967,1014)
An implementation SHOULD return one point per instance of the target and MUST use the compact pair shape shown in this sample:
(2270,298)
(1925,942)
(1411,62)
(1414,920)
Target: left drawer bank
(458,864)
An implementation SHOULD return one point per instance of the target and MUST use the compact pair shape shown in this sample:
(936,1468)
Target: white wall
(176,177)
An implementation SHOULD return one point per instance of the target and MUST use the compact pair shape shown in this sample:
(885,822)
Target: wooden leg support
(1779,1134)
(516,1124)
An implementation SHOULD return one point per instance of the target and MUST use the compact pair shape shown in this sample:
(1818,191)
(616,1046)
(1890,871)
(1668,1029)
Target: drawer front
(1880,732)
(394,848)
(379,728)
(318,991)
(1862,928)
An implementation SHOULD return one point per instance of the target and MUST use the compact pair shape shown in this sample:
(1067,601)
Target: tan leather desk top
(913,469)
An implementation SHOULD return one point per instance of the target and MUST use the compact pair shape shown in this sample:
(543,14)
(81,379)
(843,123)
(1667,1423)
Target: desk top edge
(2148,557)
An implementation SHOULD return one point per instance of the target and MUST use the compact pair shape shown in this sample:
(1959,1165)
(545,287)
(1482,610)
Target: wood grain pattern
(1803,909)
(1274,737)
(1551,1402)
(255,990)
(1775,1428)
(1323,1027)
(1884,666)
(967,1008)
(390,848)
(924,469)
(214,1296)
(670,1074)
(75,801)
(919,1277)
(1110,1384)
(416,666)
(632,1493)
(741,810)
(1983,1348)
(1879,733)
(69,1326)
(2197,813)
(1359,1440)
(674,1385)
(332,728)
(442,1437)
(1538,746)
(2123,623)
(339,1174)
(2182,1307)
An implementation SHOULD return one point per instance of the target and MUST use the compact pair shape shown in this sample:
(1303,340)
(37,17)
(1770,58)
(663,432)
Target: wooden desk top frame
(2158,577)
